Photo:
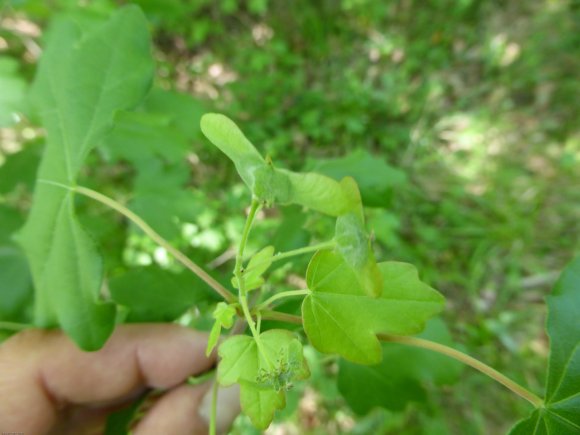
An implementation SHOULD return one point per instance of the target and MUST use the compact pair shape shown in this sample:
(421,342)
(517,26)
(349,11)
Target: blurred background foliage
(459,119)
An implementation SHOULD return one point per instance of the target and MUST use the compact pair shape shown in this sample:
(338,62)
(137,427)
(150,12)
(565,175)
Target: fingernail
(228,407)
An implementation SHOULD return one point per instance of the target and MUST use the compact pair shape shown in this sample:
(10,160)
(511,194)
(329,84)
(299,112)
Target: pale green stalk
(282,255)
(179,256)
(281,317)
(259,322)
(281,295)
(213,416)
(468,360)
(242,294)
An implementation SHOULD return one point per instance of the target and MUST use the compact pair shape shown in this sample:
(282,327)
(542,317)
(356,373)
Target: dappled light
(455,123)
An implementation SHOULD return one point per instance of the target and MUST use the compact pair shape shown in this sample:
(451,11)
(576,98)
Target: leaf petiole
(305,250)
(281,317)
(179,256)
(281,295)
(468,360)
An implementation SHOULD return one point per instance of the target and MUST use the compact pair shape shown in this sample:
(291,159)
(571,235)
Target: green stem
(281,295)
(248,316)
(179,256)
(282,255)
(240,254)
(213,416)
(281,317)
(242,294)
(259,322)
(470,361)
(12,326)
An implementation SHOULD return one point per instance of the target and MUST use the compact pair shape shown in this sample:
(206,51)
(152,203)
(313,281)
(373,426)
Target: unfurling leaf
(354,244)
(340,317)
(264,372)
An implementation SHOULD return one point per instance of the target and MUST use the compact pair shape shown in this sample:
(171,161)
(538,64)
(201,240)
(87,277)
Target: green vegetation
(455,125)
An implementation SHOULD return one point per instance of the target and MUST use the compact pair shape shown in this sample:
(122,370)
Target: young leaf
(224,314)
(314,191)
(214,336)
(340,317)
(81,82)
(320,193)
(263,374)
(257,265)
(561,412)
(224,318)
(260,403)
(270,184)
(227,136)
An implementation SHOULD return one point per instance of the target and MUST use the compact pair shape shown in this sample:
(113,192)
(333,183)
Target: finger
(176,413)
(228,407)
(42,371)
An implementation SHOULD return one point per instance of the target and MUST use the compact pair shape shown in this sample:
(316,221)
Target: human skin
(49,386)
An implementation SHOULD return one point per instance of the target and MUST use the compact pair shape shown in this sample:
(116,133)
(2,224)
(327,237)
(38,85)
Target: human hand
(48,385)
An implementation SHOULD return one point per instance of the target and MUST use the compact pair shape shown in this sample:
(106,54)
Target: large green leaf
(264,374)
(161,198)
(401,376)
(561,413)
(340,317)
(155,295)
(83,79)
(139,136)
